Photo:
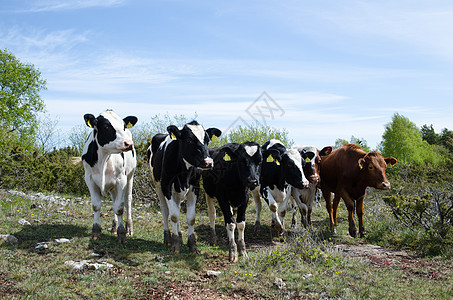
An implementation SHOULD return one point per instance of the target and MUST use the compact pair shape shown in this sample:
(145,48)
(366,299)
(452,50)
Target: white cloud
(58,5)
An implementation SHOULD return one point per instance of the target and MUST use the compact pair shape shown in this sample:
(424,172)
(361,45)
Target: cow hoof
(278,228)
(121,235)
(180,239)
(114,227)
(213,239)
(233,252)
(353,232)
(129,229)
(96,231)
(241,248)
(362,234)
(167,238)
(257,227)
(192,243)
(175,244)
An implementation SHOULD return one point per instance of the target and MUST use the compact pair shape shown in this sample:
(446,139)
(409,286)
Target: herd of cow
(180,158)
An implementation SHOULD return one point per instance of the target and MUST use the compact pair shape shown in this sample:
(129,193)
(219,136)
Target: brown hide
(347,172)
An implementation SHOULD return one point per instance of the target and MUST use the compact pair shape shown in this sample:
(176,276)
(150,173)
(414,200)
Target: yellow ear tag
(214,138)
(307,160)
(89,124)
(129,125)
(173,136)
(270,158)
(361,167)
(389,165)
(277,162)
(226,157)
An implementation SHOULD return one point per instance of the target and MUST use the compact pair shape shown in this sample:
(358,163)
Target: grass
(308,262)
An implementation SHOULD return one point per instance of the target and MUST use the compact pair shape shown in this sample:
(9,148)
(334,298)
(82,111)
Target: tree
(362,143)
(403,140)
(20,101)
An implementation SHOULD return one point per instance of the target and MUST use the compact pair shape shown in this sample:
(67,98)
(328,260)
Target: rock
(24,222)
(159,258)
(213,274)
(278,282)
(305,276)
(9,239)
(62,240)
(42,245)
(86,264)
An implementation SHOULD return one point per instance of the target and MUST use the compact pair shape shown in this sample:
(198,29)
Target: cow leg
(190,217)
(240,222)
(165,214)
(328,197)
(118,210)
(359,211)
(258,208)
(350,206)
(174,209)
(212,217)
(96,204)
(273,206)
(128,206)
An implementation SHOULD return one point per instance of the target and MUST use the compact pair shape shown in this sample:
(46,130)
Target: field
(304,265)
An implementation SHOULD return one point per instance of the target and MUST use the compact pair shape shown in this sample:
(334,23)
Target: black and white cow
(235,172)
(280,171)
(109,160)
(176,159)
(304,198)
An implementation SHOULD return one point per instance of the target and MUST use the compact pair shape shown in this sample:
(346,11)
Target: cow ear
(325,151)
(361,163)
(174,132)
(213,133)
(130,121)
(90,120)
(390,161)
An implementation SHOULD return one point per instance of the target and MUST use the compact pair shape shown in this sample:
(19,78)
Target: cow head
(311,158)
(373,166)
(246,159)
(111,132)
(193,140)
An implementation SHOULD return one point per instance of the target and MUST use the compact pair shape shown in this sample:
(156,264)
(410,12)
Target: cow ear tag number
(173,136)
(307,160)
(226,157)
(129,125)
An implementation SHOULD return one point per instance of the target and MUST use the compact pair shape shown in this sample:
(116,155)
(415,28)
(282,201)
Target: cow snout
(385,185)
(209,163)
(128,145)
(252,182)
(314,178)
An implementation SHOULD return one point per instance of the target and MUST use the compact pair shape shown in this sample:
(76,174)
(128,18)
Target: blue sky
(329,69)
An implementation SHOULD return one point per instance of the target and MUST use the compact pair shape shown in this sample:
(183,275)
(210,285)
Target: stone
(278,282)
(213,274)
(9,239)
(24,222)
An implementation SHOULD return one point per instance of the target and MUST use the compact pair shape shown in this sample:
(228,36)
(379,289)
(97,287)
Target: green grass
(144,268)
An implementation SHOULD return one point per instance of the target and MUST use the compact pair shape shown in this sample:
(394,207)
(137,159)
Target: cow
(109,160)
(235,172)
(304,198)
(175,159)
(347,172)
(281,170)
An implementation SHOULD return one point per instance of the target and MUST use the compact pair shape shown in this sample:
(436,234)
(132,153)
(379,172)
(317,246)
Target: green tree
(429,135)
(357,141)
(20,101)
(257,133)
(403,140)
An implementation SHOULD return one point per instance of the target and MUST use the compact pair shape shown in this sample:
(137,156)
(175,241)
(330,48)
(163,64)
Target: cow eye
(370,167)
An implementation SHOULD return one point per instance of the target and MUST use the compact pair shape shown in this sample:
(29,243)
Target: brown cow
(347,172)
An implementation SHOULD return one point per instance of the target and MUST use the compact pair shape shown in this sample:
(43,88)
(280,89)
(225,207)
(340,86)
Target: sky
(322,70)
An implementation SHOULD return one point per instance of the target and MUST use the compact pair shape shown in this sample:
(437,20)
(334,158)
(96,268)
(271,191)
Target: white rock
(86,264)
(62,240)
(24,222)
(9,238)
(278,282)
(213,273)
(42,245)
